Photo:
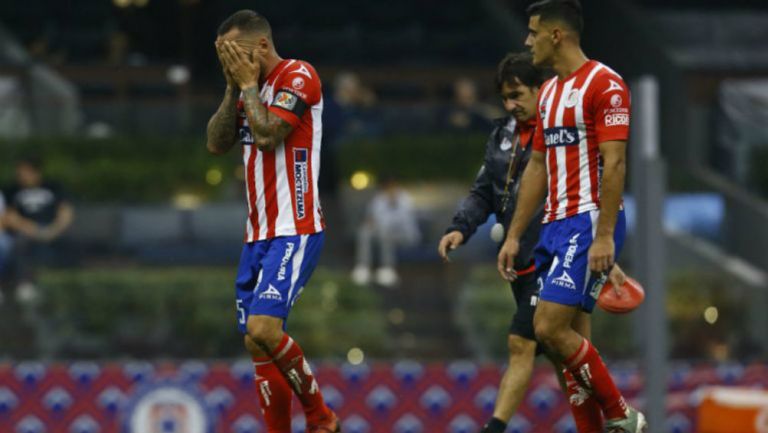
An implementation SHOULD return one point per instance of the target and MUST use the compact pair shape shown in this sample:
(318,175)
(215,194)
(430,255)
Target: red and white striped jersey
(281,185)
(575,115)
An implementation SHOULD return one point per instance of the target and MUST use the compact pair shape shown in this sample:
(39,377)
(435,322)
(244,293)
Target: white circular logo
(169,408)
(298,83)
(616,100)
(572,99)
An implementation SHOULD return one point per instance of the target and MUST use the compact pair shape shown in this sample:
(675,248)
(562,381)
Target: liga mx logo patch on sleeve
(285,100)
(300,180)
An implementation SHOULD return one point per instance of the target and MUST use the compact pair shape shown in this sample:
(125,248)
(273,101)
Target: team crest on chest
(572,99)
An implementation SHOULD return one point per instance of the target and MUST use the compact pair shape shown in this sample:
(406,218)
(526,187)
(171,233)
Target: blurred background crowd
(120,234)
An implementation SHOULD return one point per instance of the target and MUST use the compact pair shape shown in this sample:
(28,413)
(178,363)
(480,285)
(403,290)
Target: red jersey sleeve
(611,108)
(296,90)
(538,132)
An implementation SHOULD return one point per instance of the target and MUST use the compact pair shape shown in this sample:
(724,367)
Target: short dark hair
(519,66)
(247,21)
(566,11)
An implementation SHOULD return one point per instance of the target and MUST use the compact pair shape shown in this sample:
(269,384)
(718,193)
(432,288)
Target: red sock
(589,370)
(584,407)
(289,358)
(274,395)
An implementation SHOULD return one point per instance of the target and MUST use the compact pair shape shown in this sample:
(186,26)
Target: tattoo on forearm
(262,123)
(222,128)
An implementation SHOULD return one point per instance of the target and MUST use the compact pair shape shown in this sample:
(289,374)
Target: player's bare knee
(264,331)
(253,348)
(547,333)
(519,346)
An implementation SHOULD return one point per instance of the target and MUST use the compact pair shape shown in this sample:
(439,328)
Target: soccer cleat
(330,424)
(633,423)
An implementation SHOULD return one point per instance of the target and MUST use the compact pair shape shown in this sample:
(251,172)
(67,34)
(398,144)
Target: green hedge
(189,312)
(146,169)
(416,157)
(124,169)
(487,306)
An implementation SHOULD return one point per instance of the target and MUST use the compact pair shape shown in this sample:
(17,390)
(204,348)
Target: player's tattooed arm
(222,128)
(269,130)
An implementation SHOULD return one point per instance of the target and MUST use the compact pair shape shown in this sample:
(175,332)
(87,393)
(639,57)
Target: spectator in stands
(37,215)
(466,112)
(390,221)
(350,92)
(356,103)
(347,112)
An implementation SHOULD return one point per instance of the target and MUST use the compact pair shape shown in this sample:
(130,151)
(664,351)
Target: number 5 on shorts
(240,312)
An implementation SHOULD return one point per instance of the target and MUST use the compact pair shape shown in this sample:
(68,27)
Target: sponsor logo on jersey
(284,262)
(614,110)
(564,280)
(271,293)
(300,180)
(505,144)
(616,119)
(616,100)
(612,85)
(298,83)
(561,136)
(302,70)
(285,100)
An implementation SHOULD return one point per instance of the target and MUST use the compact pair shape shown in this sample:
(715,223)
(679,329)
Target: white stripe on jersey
(317,136)
(585,183)
(561,151)
(258,169)
(248,226)
(552,90)
(284,195)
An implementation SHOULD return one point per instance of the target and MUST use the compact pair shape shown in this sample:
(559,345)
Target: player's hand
(506,259)
(448,243)
(220,53)
(601,254)
(264,144)
(617,278)
(244,67)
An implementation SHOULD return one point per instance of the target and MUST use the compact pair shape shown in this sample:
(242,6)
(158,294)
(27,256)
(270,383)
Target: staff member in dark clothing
(38,214)
(495,192)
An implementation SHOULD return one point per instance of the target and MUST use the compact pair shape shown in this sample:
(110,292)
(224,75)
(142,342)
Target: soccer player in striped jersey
(578,163)
(273,108)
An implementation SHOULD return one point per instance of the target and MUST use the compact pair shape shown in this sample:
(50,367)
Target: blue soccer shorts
(562,260)
(272,274)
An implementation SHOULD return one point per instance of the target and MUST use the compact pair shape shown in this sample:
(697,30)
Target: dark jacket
(487,193)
